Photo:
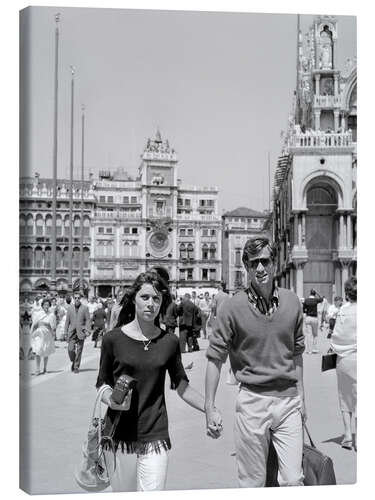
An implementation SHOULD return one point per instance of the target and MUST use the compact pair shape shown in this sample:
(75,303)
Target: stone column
(299,278)
(295,227)
(299,232)
(341,238)
(336,86)
(317,120)
(344,275)
(303,236)
(336,118)
(317,80)
(197,252)
(349,235)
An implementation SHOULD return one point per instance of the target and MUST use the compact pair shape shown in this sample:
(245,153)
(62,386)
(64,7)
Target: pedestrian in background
(218,299)
(115,310)
(98,323)
(77,328)
(188,314)
(332,312)
(171,316)
(43,335)
(344,344)
(310,309)
(205,311)
(139,348)
(261,329)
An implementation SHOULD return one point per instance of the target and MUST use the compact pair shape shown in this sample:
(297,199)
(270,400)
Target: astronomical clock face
(159,243)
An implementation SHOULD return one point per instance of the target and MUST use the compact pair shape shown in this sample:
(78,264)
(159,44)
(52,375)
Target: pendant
(145,348)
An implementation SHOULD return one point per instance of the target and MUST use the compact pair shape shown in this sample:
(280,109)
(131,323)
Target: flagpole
(70,277)
(54,176)
(82,187)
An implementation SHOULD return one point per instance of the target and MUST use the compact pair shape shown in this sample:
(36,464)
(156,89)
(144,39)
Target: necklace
(146,344)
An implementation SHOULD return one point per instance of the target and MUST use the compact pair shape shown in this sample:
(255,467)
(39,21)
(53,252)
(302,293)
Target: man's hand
(214,423)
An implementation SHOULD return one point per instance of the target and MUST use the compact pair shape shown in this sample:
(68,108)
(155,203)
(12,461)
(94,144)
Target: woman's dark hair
(351,289)
(255,245)
(44,301)
(127,313)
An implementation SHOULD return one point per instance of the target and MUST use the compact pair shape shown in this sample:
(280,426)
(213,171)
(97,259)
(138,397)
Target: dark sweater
(146,421)
(261,348)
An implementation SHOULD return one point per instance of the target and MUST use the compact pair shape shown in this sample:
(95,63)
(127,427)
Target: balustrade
(327,101)
(316,139)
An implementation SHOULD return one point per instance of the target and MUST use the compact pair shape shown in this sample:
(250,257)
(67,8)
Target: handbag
(317,467)
(92,472)
(329,361)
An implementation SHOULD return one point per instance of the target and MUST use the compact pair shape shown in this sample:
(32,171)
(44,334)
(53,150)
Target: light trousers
(138,472)
(260,418)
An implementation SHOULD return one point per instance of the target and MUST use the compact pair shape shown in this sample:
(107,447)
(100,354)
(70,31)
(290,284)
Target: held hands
(214,423)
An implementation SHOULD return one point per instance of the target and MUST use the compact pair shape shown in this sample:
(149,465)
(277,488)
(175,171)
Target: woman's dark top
(146,421)
(310,306)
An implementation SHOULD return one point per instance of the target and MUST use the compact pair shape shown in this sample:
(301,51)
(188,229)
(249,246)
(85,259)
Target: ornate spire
(158,137)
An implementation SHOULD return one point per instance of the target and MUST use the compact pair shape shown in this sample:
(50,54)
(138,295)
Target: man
(188,323)
(77,328)
(92,306)
(115,310)
(171,315)
(310,309)
(194,298)
(205,310)
(261,330)
(332,313)
(98,319)
(218,300)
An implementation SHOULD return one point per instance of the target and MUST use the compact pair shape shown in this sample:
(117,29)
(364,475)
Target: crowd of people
(264,330)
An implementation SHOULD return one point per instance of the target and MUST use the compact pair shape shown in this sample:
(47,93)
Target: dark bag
(317,467)
(329,361)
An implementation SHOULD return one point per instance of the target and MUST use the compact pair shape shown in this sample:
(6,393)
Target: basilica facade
(315,190)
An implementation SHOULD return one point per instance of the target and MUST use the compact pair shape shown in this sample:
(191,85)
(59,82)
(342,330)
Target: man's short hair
(187,296)
(254,246)
(337,298)
(312,292)
(350,287)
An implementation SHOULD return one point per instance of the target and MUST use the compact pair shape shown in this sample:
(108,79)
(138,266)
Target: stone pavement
(60,403)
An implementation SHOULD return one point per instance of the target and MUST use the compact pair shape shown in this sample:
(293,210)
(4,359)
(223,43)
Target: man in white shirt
(332,314)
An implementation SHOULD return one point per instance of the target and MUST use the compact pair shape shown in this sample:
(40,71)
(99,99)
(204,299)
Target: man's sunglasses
(255,263)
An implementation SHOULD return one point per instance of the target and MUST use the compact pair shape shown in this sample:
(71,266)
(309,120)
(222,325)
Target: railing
(184,187)
(167,212)
(191,217)
(327,101)
(316,139)
(117,215)
(116,184)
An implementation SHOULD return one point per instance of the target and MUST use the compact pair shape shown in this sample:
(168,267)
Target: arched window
(190,251)
(75,260)
(86,257)
(66,226)
(39,223)
(126,249)
(204,252)
(29,225)
(109,252)
(86,227)
(58,226)
(47,257)
(26,257)
(134,249)
(38,257)
(212,251)
(22,225)
(48,225)
(59,257)
(183,254)
(77,226)
(65,262)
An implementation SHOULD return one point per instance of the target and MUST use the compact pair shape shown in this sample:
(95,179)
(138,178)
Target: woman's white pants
(138,472)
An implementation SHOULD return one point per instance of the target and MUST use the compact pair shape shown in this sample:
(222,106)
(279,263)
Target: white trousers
(138,472)
(258,417)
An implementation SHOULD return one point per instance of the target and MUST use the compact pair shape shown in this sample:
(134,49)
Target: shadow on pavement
(88,370)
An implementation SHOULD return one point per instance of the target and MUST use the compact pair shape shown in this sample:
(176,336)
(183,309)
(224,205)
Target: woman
(344,344)
(142,350)
(42,335)
(61,317)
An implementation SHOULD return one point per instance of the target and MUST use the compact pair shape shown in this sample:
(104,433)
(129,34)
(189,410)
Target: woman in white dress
(42,335)
(344,344)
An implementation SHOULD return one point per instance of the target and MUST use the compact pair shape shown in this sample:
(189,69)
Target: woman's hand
(106,398)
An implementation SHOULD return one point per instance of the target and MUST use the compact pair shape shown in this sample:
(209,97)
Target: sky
(219,87)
